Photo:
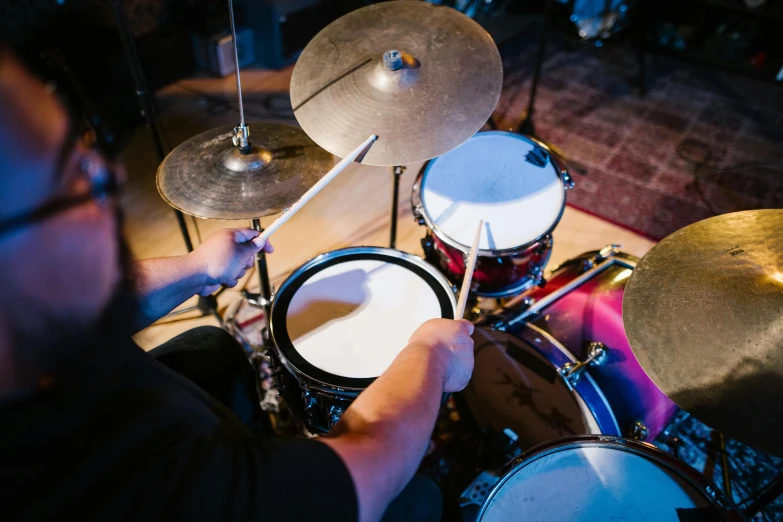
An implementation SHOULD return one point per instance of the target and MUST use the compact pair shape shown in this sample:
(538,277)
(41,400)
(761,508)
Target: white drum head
(489,178)
(353,317)
(587,483)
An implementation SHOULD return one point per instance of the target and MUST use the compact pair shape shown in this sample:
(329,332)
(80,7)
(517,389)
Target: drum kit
(578,369)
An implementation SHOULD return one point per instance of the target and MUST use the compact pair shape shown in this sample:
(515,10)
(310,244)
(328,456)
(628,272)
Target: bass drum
(563,365)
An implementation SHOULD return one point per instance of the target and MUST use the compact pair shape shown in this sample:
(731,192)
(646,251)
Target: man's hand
(225,256)
(450,342)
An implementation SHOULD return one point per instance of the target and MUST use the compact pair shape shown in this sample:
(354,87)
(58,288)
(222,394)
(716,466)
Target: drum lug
(418,214)
(537,275)
(568,181)
(426,245)
(310,402)
(608,251)
(638,431)
(335,412)
(572,372)
(604,254)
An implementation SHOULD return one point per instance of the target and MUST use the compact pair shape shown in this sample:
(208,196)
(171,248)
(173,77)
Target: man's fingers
(469,327)
(208,290)
(243,235)
(262,244)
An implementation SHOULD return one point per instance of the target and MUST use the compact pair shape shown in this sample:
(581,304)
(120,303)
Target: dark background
(722,33)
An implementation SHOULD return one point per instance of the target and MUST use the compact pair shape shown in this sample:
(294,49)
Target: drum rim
(644,449)
(624,256)
(309,373)
(587,389)
(577,391)
(420,211)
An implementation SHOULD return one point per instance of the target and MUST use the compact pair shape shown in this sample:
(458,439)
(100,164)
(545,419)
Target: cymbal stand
(527,127)
(147,105)
(263,299)
(206,305)
(396,175)
(241,140)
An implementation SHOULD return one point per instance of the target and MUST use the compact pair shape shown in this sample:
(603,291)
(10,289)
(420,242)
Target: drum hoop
(589,391)
(615,258)
(307,372)
(419,210)
(644,449)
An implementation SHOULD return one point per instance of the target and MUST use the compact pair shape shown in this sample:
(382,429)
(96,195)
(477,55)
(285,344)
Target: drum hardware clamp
(256,299)
(602,255)
(571,373)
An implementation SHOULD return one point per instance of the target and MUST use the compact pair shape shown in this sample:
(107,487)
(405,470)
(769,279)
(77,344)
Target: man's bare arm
(383,435)
(164,283)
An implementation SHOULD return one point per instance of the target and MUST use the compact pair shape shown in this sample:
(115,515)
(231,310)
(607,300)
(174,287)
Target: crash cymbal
(207,177)
(435,93)
(703,312)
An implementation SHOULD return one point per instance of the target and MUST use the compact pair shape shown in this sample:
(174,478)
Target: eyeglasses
(104,182)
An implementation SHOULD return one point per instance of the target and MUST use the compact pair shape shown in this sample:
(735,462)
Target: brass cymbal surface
(423,77)
(703,312)
(206,176)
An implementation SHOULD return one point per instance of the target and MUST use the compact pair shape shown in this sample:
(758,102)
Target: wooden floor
(353,210)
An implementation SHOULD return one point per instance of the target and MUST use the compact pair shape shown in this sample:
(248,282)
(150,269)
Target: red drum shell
(493,276)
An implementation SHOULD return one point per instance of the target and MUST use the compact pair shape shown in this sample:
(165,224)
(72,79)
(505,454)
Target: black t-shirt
(119,437)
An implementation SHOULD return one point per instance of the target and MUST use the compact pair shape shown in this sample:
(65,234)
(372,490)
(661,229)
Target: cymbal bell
(208,177)
(703,312)
(423,77)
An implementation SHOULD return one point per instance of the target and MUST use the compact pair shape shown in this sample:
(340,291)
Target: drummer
(94,428)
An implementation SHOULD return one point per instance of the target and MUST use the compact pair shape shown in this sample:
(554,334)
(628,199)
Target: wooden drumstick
(465,290)
(315,189)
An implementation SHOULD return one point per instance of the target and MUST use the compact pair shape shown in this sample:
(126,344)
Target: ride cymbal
(703,312)
(423,77)
(207,176)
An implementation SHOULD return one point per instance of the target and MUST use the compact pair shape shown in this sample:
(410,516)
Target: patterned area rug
(700,143)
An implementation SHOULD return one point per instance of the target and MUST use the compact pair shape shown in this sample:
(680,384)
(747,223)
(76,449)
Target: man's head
(62,261)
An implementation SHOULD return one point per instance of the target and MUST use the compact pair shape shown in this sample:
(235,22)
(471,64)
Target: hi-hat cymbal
(207,177)
(343,89)
(703,312)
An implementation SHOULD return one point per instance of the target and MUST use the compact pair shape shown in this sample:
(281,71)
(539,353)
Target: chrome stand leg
(396,174)
(265,291)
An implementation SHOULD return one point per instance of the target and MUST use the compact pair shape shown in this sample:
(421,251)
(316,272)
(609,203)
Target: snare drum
(598,478)
(562,365)
(512,183)
(339,321)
